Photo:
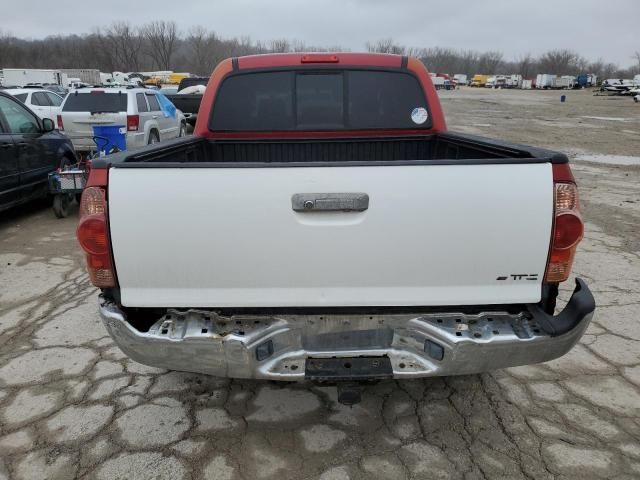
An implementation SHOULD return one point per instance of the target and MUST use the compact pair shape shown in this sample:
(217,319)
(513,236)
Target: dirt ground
(72,406)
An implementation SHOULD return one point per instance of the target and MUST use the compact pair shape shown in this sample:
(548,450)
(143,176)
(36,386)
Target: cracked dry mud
(72,406)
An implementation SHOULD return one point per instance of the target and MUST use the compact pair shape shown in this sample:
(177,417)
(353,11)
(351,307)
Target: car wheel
(61,203)
(183,130)
(153,138)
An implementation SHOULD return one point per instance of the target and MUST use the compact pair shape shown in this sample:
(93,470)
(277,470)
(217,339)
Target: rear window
(40,99)
(142,103)
(95,102)
(320,100)
(21,96)
(154,106)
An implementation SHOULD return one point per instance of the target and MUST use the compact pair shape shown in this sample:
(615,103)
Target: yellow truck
(153,81)
(175,78)
(479,80)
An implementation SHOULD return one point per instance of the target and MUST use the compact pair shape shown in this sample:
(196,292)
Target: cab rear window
(96,102)
(320,100)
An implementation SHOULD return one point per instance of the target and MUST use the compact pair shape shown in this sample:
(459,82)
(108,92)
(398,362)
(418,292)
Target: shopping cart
(67,183)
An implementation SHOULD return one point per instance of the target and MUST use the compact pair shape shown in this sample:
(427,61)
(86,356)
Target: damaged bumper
(294,347)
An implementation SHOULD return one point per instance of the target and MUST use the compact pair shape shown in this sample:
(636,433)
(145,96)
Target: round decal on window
(419,115)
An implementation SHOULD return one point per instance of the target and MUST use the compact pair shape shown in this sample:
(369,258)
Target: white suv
(44,103)
(148,115)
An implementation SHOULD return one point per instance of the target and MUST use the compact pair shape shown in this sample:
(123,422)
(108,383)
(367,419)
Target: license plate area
(348,368)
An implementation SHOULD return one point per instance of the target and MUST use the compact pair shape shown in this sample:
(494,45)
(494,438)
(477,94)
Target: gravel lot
(72,406)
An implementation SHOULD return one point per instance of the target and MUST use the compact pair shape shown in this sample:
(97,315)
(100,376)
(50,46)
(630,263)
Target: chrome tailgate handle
(330,202)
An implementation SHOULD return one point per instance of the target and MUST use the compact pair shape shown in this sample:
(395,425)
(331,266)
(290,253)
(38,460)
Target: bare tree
(560,62)
(636,57)
(386,45)
(122,43)
(161,40)
(205,50)
(525,65)
(280,45)
(490,61)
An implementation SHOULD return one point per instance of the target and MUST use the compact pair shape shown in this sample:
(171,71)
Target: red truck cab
(311,62)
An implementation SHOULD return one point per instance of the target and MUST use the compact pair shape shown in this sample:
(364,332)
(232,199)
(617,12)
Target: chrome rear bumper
(276,347)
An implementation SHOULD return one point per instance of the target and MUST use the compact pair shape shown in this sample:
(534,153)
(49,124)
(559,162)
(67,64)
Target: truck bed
(431,149)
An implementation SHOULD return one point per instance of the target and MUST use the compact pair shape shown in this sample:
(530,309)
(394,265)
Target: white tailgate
(432,235)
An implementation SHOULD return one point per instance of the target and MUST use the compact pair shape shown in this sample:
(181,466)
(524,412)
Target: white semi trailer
(25,76)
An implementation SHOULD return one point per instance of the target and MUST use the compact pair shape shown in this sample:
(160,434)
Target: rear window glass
(261,101)
(319,101)
(21,96)
(95,102)
(142,103)
(154,106)
(327,100)
(40,99)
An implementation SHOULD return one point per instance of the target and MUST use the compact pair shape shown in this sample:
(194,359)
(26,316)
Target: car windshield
(96,101)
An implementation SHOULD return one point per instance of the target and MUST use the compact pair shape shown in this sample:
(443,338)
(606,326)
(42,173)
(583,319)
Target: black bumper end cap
(580,305)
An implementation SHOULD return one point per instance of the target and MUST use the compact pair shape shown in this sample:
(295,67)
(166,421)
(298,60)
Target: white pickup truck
(322,224)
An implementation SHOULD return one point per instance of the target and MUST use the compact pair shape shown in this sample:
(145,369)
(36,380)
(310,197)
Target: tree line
(470,62)
(160,45)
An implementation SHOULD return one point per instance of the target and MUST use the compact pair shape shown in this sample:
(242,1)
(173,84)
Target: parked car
(169,90)
(148,115)
(188,100)
(44,103)
(52,87)
(60,90)
(30,148)
(330,228)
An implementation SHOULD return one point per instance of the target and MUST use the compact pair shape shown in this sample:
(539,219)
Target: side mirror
(48,125)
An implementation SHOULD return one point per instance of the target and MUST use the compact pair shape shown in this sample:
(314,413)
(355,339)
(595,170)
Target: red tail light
(568,228)
(93,234)
(133,122)
(60,124)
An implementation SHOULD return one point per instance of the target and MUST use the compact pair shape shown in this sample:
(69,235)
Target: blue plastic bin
(112,136)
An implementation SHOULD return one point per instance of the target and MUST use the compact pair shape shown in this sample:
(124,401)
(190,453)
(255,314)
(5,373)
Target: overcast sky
(609,29)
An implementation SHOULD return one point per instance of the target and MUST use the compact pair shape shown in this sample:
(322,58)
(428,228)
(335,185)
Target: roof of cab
(270,60)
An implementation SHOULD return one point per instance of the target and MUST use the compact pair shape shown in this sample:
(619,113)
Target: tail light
(133,122)
(60,124)
(568,228)
(319,58)
(92,231)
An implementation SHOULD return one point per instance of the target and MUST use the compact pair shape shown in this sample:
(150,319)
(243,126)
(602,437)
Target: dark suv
(30,148)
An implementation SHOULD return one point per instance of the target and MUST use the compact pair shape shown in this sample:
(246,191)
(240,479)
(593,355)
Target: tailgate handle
(330,202)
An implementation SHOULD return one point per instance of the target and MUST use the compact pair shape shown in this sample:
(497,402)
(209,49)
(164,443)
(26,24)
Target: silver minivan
(148,115)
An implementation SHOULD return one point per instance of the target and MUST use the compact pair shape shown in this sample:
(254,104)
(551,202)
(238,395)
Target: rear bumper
(276,347)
